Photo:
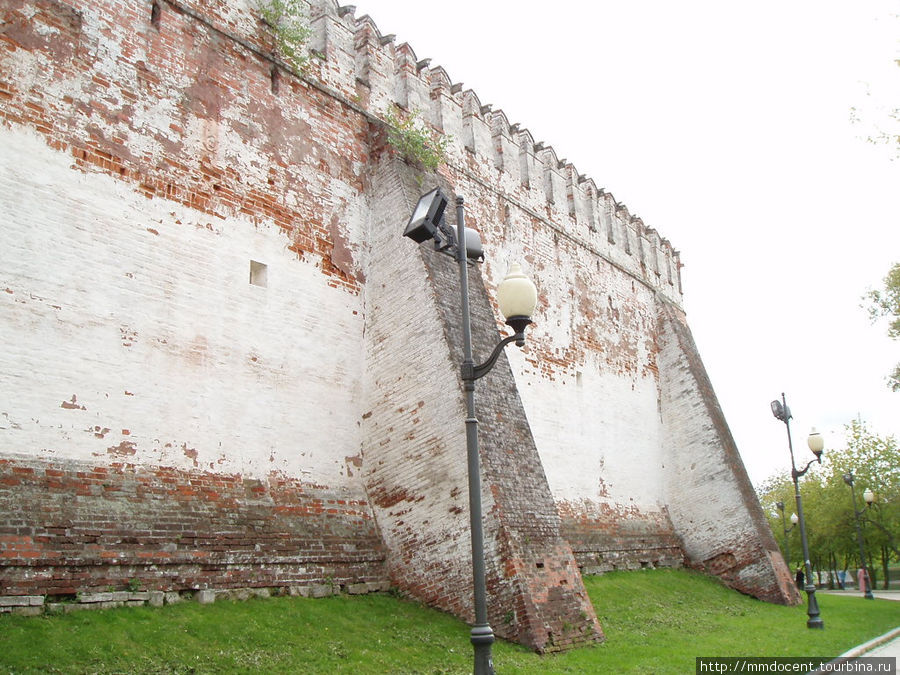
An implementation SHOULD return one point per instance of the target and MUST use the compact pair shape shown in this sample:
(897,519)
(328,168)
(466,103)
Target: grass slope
(655,622)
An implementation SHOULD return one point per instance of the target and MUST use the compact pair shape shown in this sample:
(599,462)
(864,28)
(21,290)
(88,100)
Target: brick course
(72,528)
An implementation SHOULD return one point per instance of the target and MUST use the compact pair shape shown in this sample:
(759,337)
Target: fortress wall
(164,417)
(709,496)
(588,379)
(520,193)
(163,351)
(173,147)
(544,211)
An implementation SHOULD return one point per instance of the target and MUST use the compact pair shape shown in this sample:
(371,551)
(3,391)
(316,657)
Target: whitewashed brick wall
(133,333)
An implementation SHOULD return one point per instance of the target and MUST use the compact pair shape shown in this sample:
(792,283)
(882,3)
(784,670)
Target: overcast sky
(726,126)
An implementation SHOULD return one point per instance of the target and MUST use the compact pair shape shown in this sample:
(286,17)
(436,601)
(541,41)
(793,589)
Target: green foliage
(655,621)
(416,142)
(289,24)
(885,302)
(781,489)
(874,462)
(873,459)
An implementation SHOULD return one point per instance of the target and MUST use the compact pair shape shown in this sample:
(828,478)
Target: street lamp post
(517,298)
(848,479)
(787,530)
(816,444)
(871,500)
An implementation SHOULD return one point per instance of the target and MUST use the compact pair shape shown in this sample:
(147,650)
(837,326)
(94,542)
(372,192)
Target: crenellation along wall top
(395,75)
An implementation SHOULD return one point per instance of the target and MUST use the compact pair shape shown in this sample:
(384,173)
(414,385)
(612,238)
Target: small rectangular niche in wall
(258,273)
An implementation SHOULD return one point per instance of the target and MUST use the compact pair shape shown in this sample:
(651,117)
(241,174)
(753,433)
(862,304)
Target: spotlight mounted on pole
(427,222)
(517,298)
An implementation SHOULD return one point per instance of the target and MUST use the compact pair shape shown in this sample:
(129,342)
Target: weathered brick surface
(710,498)
(169,417)
(414,443)
(68,528)
(416,448)
(604,540)
(146,169)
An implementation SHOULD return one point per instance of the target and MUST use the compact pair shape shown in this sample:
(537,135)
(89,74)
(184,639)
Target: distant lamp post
(517,298)
(787,530)
(869,497)
(816,444)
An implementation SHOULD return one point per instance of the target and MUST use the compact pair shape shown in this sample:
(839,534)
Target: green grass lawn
(656,621)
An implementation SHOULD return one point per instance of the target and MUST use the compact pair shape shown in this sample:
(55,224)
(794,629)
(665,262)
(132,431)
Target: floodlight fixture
(781,411)
(426,217)
(473,245)
(427,222)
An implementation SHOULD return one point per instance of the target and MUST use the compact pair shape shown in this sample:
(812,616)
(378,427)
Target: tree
(780,489)
(874,462)
(829,524)
(885,302)
(826,525)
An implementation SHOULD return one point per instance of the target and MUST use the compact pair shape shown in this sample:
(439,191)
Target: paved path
(889,648)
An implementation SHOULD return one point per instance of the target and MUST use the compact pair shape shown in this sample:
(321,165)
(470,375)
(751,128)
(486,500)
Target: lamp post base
(814,621)
(482,637)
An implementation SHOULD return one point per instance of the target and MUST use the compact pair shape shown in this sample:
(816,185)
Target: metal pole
(814,621)
(787,546)
(481,636)
(859,537)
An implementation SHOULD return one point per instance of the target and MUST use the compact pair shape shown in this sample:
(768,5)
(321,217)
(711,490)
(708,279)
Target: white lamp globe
(815,442)
(516,294)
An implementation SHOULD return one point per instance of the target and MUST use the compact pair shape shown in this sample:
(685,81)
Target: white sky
(726,127)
